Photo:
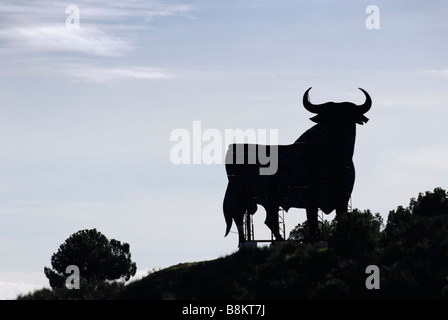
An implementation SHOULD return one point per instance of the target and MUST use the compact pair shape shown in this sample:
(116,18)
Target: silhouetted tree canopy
(302,231)
(395,218)
(430,203)
(97,258)
(354,233)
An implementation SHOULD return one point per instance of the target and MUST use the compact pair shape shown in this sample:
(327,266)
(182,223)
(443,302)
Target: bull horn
(313,108)
(366,106)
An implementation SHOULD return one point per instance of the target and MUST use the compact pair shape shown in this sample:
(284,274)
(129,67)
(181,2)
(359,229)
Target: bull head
(346,110)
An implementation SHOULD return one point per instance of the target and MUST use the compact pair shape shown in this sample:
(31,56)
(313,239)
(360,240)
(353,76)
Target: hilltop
(411,267)
(410,251)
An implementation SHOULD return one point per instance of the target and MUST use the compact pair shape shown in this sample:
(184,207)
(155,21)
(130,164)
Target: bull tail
(228,218)
(228,208)
(229,226)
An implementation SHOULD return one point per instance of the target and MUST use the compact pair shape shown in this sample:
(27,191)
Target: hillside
(280,272)
(410,268)
(410,251)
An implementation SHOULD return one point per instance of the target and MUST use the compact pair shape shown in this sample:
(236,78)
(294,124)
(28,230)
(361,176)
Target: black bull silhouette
(316,171)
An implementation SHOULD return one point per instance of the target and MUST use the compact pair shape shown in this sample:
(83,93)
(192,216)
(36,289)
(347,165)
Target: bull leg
(272,222)
(341,210)
(311,216)
(240,234)
(239,226)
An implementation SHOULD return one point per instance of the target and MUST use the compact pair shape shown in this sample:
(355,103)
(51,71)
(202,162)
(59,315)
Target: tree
(430,203)
(302,231)
(356,233)
(414,260)
(395,219)
(97,258)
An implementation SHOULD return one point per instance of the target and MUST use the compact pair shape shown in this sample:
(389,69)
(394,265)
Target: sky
(87,108)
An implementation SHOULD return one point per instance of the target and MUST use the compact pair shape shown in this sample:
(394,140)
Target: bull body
(316,171)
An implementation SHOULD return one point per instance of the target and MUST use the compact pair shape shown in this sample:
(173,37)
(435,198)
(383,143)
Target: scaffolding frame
(248,224)
(248,228)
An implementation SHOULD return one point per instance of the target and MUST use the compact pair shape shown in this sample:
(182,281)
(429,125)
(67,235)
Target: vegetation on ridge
(410,250)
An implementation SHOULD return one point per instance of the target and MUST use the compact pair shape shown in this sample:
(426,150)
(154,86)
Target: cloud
(11,290)
(387,102)
(396,175)
(169,11)
(443,73)
(104,75)
(101,73)
(13,284)
(105,27)
(432,157)
(35,34)
(97,10)
(57,38)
